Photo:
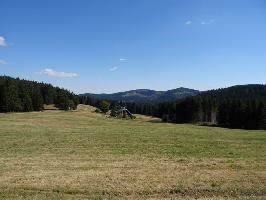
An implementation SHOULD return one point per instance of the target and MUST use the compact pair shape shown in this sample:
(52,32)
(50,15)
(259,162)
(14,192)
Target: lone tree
(104,106)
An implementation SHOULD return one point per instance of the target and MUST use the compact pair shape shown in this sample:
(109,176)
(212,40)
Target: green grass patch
(82,154)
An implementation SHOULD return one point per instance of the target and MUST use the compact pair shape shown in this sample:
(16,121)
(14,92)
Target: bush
(104,106)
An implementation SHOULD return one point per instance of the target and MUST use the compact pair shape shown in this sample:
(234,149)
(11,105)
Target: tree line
(231,113)
(18,95)
(235,107)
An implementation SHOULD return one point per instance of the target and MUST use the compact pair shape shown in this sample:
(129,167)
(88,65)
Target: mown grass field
(84,155)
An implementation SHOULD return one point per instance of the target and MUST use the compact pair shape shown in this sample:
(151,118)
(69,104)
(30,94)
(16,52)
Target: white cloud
(53,73)
(2,41)
(113,68)
(188,22)
(2,62)
(122,59)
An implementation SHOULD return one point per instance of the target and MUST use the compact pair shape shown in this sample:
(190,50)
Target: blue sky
(117,45)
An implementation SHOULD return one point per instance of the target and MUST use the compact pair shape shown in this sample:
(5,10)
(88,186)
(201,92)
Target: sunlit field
(86,155)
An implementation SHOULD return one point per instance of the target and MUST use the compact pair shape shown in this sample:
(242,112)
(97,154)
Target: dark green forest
(18,95)
(235,107)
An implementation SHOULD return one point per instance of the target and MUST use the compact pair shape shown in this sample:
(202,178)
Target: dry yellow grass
(85,155)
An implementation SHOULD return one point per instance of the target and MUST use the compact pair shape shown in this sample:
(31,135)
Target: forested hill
(146,95)
(241,106)
(23,95)
(241,92)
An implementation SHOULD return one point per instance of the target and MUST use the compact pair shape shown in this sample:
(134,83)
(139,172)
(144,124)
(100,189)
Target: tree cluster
(17,95)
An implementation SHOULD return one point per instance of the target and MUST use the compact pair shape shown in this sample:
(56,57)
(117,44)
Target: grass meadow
(86,155)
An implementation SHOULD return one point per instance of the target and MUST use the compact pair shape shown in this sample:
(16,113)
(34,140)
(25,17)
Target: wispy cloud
(201,22)
(2,62)
(114,68)
(207,22)
(122,59)
(188,22)
(53,73)
(2,41)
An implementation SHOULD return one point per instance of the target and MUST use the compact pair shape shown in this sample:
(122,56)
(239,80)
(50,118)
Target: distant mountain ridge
(146,95)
